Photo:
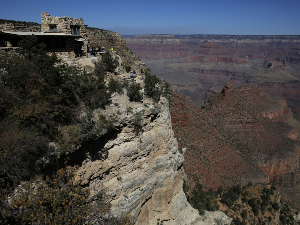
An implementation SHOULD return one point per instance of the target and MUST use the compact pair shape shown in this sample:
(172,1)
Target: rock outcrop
(143,172)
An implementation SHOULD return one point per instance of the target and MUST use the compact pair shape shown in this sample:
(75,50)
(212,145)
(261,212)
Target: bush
(134,92)
(154,87)
(114,86)
(229,197)
(39,94)
(276,206)
(57,200)
(286,216)
(220,190)
(138,123)
(20,148)
(109,63)
(202,200)
(127,68)
(244,214)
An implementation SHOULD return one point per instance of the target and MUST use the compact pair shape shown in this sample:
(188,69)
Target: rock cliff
(143,172)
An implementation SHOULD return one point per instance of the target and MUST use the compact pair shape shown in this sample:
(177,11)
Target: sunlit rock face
(143,172)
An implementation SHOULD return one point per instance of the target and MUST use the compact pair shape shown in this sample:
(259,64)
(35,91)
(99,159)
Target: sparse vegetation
(256,204)
(203,200)
(154,87)
(57,200)
(134,92)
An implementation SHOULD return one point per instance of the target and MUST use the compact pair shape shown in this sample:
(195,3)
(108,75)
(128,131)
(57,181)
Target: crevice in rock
(146,200)
(153,117)
(101,177)
(179,168)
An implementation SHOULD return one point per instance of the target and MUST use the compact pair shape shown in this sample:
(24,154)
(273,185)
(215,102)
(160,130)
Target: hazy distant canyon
(199,65)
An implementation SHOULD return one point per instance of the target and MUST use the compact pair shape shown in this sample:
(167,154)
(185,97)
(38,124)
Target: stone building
(64,24)
(62,35)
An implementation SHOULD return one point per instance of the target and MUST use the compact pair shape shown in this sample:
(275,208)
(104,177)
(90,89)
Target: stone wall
(61,24)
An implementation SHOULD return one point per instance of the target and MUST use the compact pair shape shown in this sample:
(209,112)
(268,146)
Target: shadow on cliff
(92,149)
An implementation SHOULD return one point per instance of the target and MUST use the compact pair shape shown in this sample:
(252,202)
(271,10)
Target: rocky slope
(234,139)
(11,25)
(198,65)
(111,39)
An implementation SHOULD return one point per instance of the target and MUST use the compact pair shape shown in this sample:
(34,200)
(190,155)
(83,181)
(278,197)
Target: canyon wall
(209,61)
(238,136)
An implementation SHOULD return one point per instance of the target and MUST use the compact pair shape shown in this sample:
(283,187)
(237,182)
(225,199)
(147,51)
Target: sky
(129,17)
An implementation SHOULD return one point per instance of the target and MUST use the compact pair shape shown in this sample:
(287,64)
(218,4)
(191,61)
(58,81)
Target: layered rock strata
(143,172)
(239,136)
(209,61)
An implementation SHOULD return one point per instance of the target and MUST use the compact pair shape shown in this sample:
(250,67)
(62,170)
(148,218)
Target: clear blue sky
(253,17)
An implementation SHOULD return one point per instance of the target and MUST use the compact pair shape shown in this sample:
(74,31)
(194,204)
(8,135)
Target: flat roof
(20,33)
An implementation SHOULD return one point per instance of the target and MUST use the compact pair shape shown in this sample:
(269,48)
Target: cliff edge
(143,172)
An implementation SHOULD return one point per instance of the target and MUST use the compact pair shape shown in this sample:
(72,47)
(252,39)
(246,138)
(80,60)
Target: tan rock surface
(143,173)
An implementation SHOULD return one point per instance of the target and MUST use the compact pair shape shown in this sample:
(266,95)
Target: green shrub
(244,214)
(134,92)
(154,87)
(127,68)
(57,200)
(276,206)
(39,94)
(286,215)
(229,197)
(70,138)
(20,148)
(220,190)
(202,200)
(114,86)
(138,123)
(109,63)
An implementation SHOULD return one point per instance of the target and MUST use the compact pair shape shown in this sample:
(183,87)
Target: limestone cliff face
(143,172)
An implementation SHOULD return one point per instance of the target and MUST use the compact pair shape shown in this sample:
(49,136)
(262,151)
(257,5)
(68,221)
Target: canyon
(126,148)
(239,135)
(231,134)
(237,111)
(199,65)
